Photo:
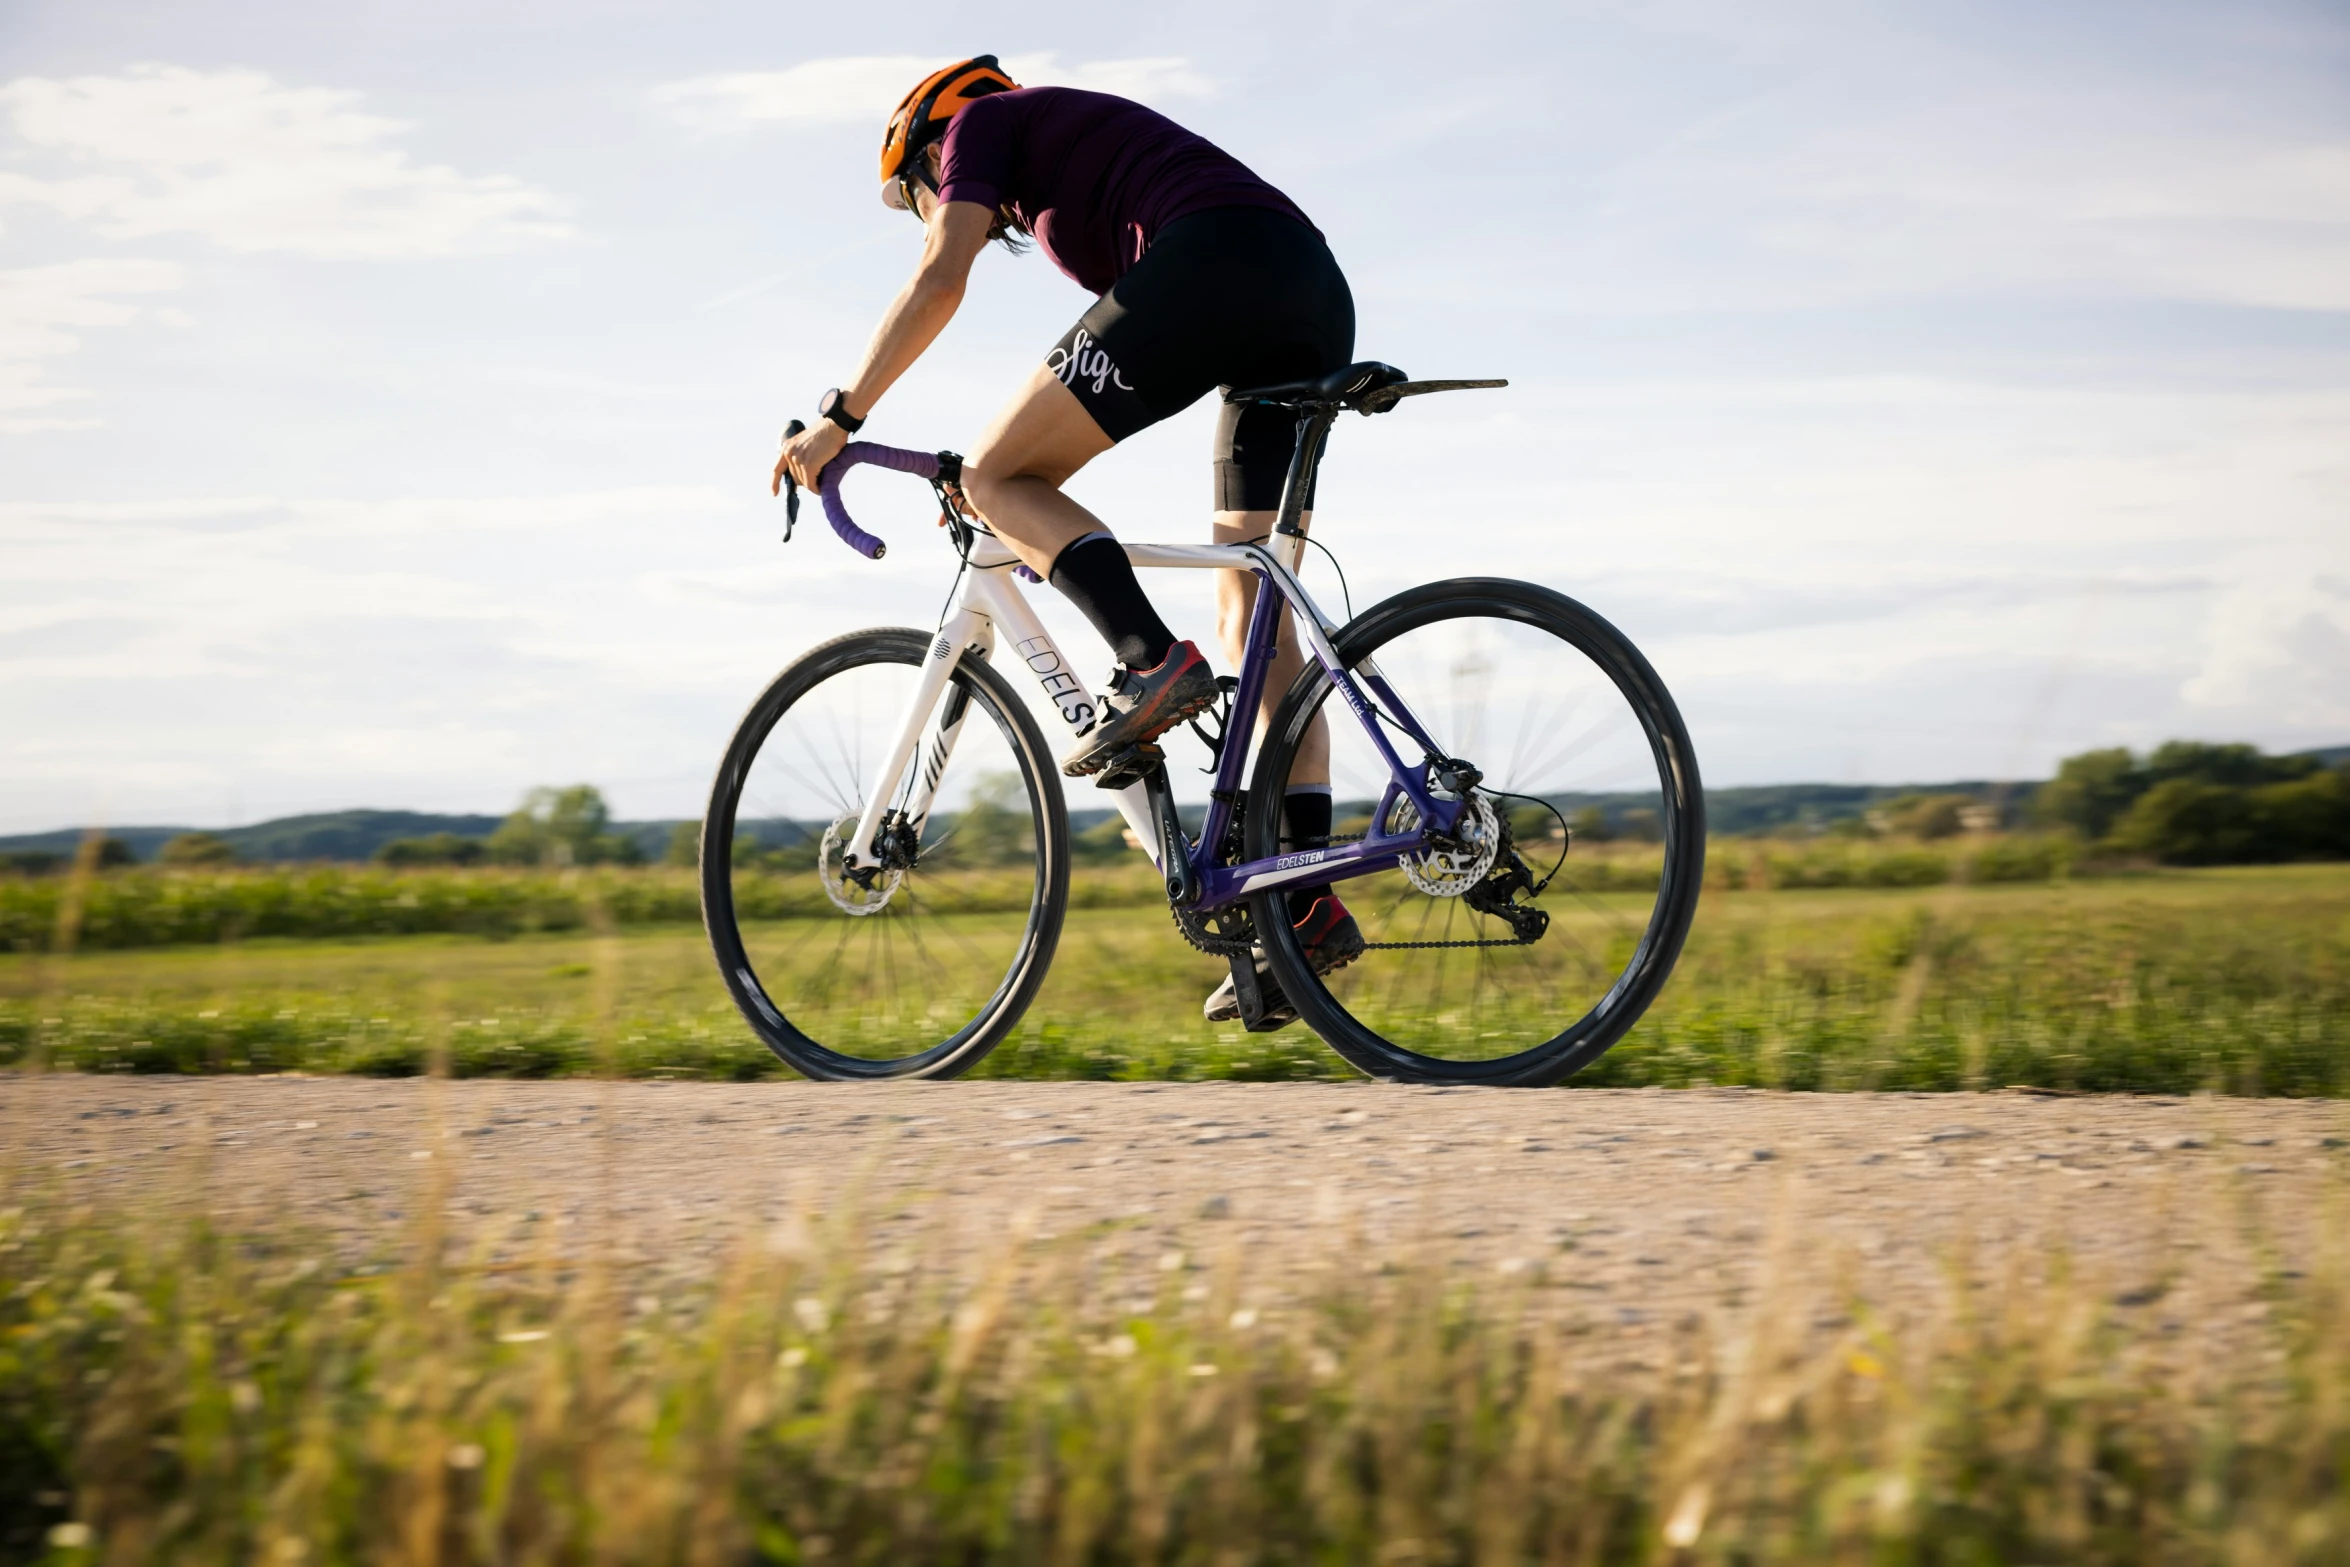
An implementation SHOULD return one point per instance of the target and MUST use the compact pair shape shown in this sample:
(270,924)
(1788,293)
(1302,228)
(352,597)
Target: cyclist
(1205,276)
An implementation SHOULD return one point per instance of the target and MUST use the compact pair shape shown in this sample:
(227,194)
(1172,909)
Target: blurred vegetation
(174,1392)
(2189,803)
(198,849)
(439,848)
(2172,982)
(569,826)
(452,886)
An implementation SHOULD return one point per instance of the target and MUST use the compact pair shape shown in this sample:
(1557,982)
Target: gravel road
(1626,1206)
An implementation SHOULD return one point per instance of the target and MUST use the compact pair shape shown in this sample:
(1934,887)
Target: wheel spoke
(912,973)
(1518,696)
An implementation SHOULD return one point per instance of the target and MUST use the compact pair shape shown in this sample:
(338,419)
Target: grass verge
(170,1392)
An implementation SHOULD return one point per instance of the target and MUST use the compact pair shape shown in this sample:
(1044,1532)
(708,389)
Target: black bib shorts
(1234,296)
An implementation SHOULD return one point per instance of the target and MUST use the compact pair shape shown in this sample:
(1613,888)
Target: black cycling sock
(1305,824)
(1095,575)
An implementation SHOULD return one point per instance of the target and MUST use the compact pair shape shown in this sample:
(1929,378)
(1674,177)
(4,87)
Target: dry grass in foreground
(170,1393)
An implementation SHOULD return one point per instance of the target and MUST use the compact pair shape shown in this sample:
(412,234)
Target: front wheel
(916,965)
(1520,951)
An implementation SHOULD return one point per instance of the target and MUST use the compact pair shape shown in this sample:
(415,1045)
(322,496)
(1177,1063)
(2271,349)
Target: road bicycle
(885,862)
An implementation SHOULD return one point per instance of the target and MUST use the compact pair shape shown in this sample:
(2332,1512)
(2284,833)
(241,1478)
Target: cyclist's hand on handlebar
(805,454)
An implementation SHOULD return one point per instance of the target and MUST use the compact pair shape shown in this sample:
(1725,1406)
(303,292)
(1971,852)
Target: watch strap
(832,406)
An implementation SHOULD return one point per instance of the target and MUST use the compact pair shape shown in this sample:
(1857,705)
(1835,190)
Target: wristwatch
(831,407)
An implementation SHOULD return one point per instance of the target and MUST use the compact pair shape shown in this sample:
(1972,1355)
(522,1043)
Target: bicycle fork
(989,610)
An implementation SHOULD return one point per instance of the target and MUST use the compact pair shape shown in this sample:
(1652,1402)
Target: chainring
(1234,937)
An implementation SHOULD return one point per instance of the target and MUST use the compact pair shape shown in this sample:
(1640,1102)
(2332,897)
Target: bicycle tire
(1586,1037)
(770,1019)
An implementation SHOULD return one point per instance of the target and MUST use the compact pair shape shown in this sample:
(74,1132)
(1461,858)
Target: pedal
(1129,766)
(1248,989)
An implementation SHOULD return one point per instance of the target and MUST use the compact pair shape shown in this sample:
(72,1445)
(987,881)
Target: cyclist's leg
(1015,480)
(1236,601)
(1014,475)
(1329,933)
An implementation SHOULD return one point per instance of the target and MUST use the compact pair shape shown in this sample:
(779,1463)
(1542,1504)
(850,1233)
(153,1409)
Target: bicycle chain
(1194,926)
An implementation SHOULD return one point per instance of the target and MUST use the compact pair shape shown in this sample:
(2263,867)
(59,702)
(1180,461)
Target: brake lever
(791,486)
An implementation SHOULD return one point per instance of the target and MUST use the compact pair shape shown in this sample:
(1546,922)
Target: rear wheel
(917,966)
(1529,945)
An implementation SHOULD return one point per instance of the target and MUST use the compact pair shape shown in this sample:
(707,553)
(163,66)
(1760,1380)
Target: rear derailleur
(1497,894)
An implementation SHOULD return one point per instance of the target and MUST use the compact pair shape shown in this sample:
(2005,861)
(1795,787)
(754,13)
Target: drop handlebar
(922,465)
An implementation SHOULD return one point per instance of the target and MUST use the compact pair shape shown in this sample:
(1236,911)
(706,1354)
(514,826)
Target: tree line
(2190,803)
(2186,802)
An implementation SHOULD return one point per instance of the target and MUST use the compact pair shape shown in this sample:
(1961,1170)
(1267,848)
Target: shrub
(2187,821)
(197,848)
(2090,791)
(562,827)
(1928,816)
(2020,859)
(1844,864)
(2308,818)
(1103,841)
(2193,803)
(440,848)
(1590,825)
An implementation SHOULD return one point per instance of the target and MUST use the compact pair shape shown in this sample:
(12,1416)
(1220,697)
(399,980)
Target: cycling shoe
(1332,941)
(1142,705)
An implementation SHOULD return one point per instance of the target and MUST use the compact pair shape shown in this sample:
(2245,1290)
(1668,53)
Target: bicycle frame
(989,610)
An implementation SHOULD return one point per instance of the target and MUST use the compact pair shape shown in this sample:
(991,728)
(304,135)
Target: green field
(2232,980)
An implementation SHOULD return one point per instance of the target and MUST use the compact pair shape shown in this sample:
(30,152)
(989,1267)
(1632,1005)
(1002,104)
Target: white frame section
(991,611)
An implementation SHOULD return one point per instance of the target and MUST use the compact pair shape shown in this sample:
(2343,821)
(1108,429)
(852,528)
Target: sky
(387,391)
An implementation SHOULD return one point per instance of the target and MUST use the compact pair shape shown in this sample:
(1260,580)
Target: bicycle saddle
(1368,387)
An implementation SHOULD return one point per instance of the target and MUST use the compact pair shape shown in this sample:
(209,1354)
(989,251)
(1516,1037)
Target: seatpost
(1313,427)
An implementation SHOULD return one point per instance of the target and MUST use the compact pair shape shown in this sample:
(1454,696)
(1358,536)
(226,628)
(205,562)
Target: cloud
(270,520)
(2279,647)
(1898,163)
(860,89)
(248,164)
(40,308)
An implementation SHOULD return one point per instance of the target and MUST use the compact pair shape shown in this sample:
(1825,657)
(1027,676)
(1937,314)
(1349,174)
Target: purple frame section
(1220,885)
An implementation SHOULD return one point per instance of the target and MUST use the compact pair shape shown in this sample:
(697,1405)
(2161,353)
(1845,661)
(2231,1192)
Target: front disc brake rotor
(848,893)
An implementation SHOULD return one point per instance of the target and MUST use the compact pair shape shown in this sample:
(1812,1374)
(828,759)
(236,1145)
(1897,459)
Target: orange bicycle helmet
(922,117)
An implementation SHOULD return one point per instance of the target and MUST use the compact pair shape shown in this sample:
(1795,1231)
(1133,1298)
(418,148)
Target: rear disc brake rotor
(1449,869)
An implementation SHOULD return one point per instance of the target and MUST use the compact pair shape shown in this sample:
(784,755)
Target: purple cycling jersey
(1093,177)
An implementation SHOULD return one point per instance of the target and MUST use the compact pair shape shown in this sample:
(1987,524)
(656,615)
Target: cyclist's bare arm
(957,233)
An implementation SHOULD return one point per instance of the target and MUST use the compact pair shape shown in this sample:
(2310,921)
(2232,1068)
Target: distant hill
(332,835)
